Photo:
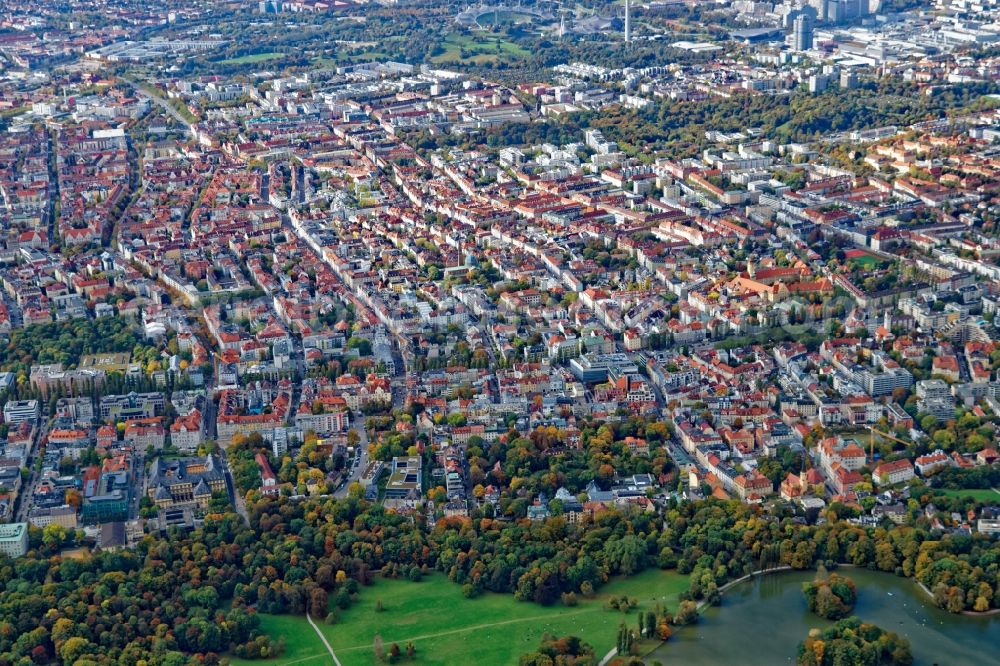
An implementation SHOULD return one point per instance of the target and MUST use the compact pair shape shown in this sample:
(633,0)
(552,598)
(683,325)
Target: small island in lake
(830,595)
(852,641)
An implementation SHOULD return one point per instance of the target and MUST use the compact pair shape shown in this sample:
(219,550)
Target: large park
(445,627)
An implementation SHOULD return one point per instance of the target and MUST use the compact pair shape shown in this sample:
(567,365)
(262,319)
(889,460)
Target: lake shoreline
(786,569)
(969,613)
(753,605)
(752,574)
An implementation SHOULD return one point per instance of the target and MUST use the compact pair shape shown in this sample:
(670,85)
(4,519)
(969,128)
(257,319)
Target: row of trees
(196,593)
(565,651)
(65,342)
(678,127)
(718,541)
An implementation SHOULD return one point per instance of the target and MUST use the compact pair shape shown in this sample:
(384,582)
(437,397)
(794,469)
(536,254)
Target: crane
(871,445)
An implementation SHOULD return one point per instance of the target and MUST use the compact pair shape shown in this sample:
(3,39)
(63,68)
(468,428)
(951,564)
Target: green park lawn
(979,495)
(478,49)
(447,628)
(252,58)
(302,646)
(866,261)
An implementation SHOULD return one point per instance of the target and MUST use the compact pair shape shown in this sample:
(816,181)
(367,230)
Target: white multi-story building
(14,539)
(21,411)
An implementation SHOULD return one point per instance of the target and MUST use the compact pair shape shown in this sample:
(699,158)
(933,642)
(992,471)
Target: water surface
(761,622)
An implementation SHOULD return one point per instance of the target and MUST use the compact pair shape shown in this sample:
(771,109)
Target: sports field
(252,58)
(980,495)
(864,259)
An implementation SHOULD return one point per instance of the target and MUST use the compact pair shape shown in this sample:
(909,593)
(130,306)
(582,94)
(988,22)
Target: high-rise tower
(628,25)
(802,33)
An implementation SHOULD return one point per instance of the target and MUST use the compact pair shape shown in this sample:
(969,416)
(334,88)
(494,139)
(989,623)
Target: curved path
(463,630)
(323,638)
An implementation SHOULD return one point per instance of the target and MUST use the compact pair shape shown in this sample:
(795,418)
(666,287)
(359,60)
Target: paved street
(359,462)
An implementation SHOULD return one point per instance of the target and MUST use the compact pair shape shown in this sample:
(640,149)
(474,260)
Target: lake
(761,621)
